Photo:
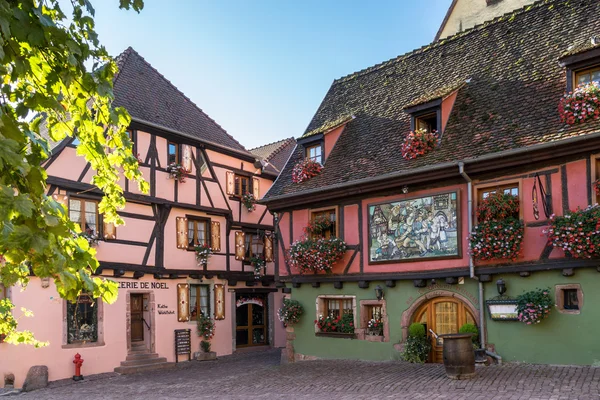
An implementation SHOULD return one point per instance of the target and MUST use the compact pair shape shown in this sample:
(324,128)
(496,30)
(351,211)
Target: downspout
(461,170)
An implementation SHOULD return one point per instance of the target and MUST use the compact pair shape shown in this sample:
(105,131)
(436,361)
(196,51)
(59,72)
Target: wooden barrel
(459,357)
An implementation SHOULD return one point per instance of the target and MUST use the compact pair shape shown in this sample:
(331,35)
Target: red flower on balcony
(582,104)
(306,169)
(418,143)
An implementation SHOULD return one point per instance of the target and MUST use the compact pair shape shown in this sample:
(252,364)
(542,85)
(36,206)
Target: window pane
(172,158)
(201,232)
(247,245)
(82,320)
(596,76)
(245,185)
(582,79)
(75,211)
(90,217)
(193,301)
(191,233)
(237,185)
(204,300)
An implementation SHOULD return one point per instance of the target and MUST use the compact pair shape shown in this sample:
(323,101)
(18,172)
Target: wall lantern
(257,244)
(404,189)
(501,286)
(379,292)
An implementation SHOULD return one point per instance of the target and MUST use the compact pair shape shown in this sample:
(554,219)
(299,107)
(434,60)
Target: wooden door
(137,317)
(251,325)
(443,315)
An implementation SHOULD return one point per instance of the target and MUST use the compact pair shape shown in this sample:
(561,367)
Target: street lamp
(501,286)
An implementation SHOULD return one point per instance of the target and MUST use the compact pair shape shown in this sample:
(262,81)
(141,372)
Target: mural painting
(414,229)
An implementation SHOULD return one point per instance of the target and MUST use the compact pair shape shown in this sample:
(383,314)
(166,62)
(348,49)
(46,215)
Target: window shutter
(230,183)
(183,302)
(240,245)
(186,160)
(268,248)
(256,188)
(215,235)
(182,233)
(110,230)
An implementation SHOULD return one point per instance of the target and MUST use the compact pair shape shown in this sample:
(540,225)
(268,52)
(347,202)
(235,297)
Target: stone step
(144,361)
(144,368)
(138,345)
(141,356)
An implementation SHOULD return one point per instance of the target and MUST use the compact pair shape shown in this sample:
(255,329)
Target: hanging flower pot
(259,266)
(249,202)
(534,306)
(176,171)
(305,169)
(313,255)
(577,233)
(418,143)
(203,251)
(582,104)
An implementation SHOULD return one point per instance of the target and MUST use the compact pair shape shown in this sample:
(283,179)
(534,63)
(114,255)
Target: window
(587,76)
(199,301)
(242,185)
(315,153)
(374,321)
(569,298)
(428,122)
(85,213)
(82,320)
(337,307)
(198,232)
(173,153)
(512,188)
(329,216)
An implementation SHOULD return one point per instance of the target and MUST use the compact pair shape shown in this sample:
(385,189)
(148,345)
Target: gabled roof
(510,101)
(276,153)
(150,97)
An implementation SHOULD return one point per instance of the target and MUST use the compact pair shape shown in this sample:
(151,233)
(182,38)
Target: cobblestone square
(259,375)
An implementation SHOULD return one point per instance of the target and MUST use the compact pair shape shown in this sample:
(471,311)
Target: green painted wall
(398,299)
(559,339)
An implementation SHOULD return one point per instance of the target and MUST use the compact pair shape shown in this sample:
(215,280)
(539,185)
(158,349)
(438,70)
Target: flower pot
(336,335)
(203,356)
(459,357)
(480,356)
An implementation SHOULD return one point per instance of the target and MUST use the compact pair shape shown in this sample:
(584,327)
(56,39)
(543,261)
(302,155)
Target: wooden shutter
(183,302)
(256,188)
(110,230)
(215,236)
(268,248)
(182,233)
(230,183)
(186,160)
(240,245)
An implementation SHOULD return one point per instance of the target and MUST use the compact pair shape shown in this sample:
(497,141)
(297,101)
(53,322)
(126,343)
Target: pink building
(163,287)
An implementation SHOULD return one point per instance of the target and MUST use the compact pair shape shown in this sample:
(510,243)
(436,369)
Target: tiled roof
(329,125)
(438,93)
(583,45)
(276,153)
(150,97)
(510,101)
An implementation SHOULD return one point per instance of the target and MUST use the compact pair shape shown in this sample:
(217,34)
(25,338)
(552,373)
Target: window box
(336,335)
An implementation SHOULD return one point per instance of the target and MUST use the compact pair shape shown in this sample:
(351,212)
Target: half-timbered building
(198,177)
(403,210)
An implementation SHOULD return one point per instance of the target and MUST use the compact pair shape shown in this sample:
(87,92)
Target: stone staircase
(141,360)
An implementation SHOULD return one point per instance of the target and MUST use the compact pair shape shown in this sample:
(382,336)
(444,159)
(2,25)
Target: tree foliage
(47,90)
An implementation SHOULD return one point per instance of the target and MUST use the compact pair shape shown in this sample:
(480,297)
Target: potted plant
(259,266)
(176,171)
(534,306)
(375,327)
(203,252)
(249,201)
(290,312)
(499,233)
(305,169)
(318,226)
(206,330)
(417,345)
(580,105)
(577,232)
(339,326)
(314,255)
(418,143)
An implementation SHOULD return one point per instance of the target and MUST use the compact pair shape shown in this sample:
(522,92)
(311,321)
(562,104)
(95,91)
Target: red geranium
(418,143)
(580,105)
(305,169)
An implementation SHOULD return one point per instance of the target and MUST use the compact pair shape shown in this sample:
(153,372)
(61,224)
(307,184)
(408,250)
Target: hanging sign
(244,301)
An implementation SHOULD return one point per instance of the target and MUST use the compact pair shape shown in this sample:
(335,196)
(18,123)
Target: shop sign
(143,285)
(164,309)
(244,301)
(446,287)
(503,309)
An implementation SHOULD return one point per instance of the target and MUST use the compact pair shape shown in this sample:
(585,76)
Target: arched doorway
(443,315)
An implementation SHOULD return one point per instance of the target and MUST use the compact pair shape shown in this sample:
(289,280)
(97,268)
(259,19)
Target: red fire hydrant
(78,361)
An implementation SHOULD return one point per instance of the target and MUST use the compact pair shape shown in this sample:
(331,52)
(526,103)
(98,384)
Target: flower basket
(534,306)
(580,105)
(259,266)
(318,225)
(203,252)
(176,171)
(290,312)
(418,143)
(375,327)
(498,234)
(313,255)
(306,169)
(577,233)
(339,324)
(249,202)
(206,326)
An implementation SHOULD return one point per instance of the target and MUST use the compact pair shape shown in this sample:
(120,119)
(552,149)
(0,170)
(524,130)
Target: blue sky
(261,68)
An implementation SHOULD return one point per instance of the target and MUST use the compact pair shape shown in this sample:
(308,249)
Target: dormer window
(315,153)
(587,76)
(427,122)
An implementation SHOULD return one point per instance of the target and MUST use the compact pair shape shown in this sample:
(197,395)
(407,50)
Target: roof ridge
(282,144)
(441,42)
(131,50)
(120,60)
(280,148)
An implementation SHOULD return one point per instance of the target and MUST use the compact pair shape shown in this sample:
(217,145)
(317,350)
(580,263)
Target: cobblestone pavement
(258,375)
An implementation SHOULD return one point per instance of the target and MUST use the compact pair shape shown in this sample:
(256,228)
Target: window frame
(177,152)
(420,117)
(237,185)
(559,296)
(96,311)
(585,70)
(251,234)
(366,310)
(198,287)
(82,211)
(595,175)
(426,109)
(321,156)
(314,212)
(207,230)
(500,185)
(321,308)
